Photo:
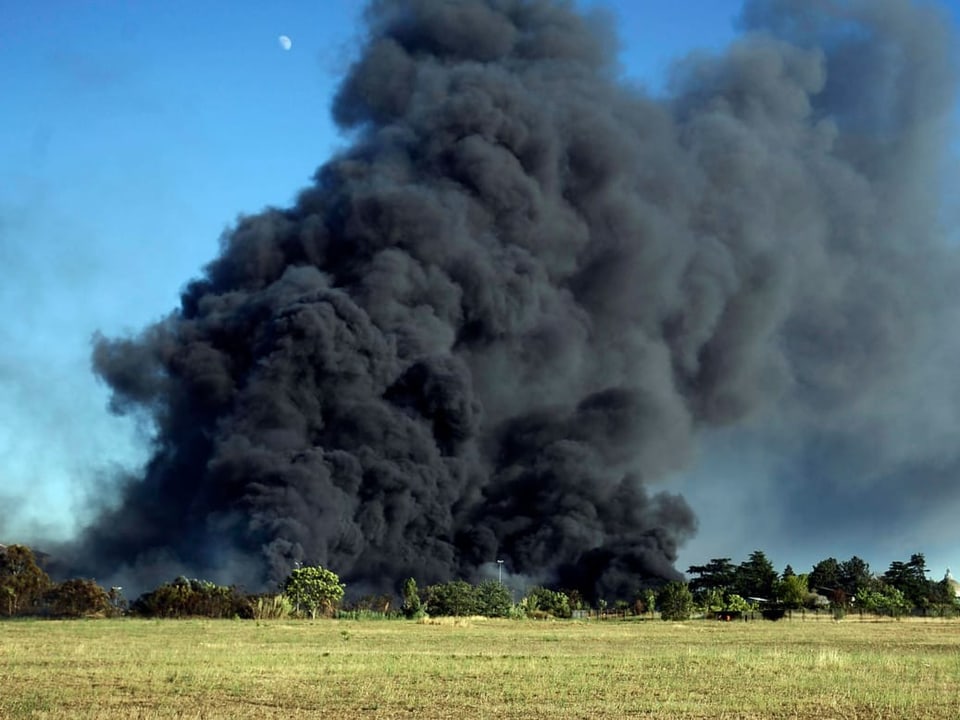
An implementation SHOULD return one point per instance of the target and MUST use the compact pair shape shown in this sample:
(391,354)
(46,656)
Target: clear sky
(131,135)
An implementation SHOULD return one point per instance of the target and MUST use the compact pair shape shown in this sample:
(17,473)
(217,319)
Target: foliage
(675,601)
(22,582)
(792,591)
(456,598)
(736,603)
(77,598)
(713,600)
(911,579)
(270,607)
(756,577)
(855,575)
(825,576)
(314,590)
(543,602)
(493,599)
(192,598)
(411,599)
(717,575)
(650,600)
(884,600)
(369,606)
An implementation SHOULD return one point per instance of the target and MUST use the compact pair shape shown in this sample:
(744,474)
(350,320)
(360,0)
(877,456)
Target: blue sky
(132,135)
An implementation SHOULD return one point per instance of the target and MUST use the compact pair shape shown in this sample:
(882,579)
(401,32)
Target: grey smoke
(507,311)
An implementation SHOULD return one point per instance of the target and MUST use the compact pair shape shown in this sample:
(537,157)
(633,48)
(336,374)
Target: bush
(675,602)
(411,600)
(457,598)
(269,607)
(192,598)
(77,598)
(493,599)
(543,602)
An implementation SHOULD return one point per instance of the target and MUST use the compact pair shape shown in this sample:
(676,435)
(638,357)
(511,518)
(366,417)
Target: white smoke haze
(503,321)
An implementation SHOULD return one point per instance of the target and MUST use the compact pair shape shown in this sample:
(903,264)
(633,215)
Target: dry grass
(479,669)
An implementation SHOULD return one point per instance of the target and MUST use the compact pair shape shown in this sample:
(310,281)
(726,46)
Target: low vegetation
(470,667)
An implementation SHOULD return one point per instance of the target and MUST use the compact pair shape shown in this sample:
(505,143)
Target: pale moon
(285,42)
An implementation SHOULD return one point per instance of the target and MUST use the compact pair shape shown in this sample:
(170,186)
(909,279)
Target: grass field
(479,669)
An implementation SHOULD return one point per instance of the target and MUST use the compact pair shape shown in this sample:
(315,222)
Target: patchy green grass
(479,669)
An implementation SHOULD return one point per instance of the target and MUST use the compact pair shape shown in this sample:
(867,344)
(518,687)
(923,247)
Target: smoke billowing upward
(505,312)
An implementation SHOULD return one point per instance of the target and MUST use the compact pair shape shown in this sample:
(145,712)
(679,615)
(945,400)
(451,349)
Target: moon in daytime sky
(285,42)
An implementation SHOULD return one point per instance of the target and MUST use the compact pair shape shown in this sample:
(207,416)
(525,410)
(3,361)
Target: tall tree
(22,581)
(825,576)
(792,591)
(718,574)
(911,579)
(411,599)
(854,575)
(756,577)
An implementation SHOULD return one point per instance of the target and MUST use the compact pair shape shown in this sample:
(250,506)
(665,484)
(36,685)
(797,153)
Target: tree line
(719,588)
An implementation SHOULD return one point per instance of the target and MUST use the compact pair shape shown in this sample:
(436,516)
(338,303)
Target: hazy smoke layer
(518,296)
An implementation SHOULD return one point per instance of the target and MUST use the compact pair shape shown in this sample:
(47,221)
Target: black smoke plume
(523,290)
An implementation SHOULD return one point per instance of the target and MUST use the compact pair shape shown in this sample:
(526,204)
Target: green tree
(737,603)
(493,599)
(911,579)
(22,582)
(792,591)
(543,602)
(412,606)
(650,600)
(882,599)
(825,576)
(675,601)
(457,598)
(713,600)
(756,577)
(853,575)
(718,574)
(314,590)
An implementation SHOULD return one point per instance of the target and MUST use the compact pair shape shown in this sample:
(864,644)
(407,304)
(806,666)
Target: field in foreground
(479,669)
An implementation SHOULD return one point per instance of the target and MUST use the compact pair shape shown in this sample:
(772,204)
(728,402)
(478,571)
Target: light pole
(500,571)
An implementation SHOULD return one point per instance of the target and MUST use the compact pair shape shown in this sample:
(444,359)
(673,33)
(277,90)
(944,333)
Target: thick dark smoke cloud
(513,303)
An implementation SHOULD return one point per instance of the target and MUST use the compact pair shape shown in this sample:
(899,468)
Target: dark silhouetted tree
(756,577)
(718,574)
(825,576)
(854,575)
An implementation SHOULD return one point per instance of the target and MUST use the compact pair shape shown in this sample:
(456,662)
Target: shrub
(192,598)
(675,602)
(77,598)
(456,598)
